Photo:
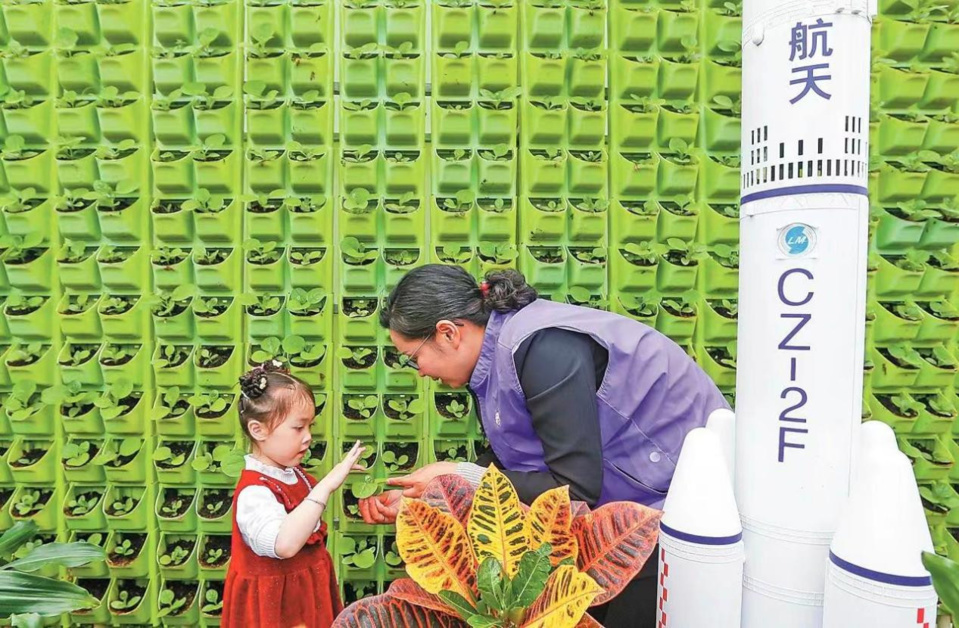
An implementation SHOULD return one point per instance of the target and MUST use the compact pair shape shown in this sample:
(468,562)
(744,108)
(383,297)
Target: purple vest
(652,395)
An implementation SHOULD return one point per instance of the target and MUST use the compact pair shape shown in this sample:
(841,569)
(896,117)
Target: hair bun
(254,382)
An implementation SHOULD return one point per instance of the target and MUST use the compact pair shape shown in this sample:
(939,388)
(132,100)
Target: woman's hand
(382,508)
(415,483)
(338,474)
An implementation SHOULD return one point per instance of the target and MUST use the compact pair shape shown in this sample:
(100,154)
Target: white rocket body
(701,549)
(875,577)
(803,233)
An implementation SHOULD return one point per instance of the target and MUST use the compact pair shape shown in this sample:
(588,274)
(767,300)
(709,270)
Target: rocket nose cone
(700,499)
(883,527)
(722,422)
(877,436)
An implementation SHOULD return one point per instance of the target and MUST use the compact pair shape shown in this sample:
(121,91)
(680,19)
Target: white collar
(287,475)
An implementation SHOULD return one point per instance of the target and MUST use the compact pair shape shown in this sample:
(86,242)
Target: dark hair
(433,292)
(268,393)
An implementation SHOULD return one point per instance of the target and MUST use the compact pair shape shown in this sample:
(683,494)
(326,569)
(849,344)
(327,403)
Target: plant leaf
(20,533)
(435,548)
(531,578)
(567,595)
(550,521)
(615,541)
(64,554)
(945,579)
(497,526)
(407,590)
(451,494)
(385,610)
(27,593)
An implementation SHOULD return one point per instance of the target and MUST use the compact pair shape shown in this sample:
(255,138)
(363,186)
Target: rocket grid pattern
(191,185)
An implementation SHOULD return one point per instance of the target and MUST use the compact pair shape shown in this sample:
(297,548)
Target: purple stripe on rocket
(825,188)
(702,540)
(878,576)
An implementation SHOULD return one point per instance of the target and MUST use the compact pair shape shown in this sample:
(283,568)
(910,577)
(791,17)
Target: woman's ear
(258,431)
(449,332)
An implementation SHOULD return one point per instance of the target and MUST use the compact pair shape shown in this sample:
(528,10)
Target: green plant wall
(192,186)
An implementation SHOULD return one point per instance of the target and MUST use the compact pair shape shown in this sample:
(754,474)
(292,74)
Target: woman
(566,395)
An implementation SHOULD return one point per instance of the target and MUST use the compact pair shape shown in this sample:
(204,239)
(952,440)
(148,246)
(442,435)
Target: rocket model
(799,447)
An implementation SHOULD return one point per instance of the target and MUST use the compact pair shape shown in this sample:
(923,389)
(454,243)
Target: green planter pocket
(218,367)
(216,118)
(126,222)
(43,504)
(126,508)
(452,76)
(451,25)
(942,91)
(271,69)
(32,461)
(720,367)
(898,89)
(545,266)
(496,124)
(722,79)
(360,76)
(173,365)
(123,317)
(675,27)
(267,275)
(218,225)
(29,73)
(587,75)
(678,326)
(718,322)
(171,71)
(900,40)
(172,224)
(311,268)
(405,128)
(938,323)
(311,72)
(405,175)
(123,269)
(172,461)
(82,508)
(266,123)
(543,220)
(406,24)
(78,173)
(32,122)
(267,322)
(405,223)
(220,175)
(897,230)
(176,321)
(673,277)
(311,224)
(634,29)
(722,131)
(546,76)
(721,179)
(497,27)
(265,172)
(673,123)
(544,173)
(898,135)
(312,176)
(587,127)
(894,373)
(634,221)
(78,317)
(896,322)
(172,24)
(217,71)
(78,222)
(218,271)
(80,363)
(544,27)
(217,318)
(587,268)
(452,124)
(940,185)
(312,124)
(453,171)
(215,510)
(124,122)
(172,172)
(451,226)
(631,274)
(938,368)
(404,75)
(123,71)
(31,172)
(497,175)
(588,222)
(38,366)
(32,271)
(131,420)
(636,126)
(897,276)
(32,319)
(677,81)
(312,327)
(588,172)
(635,175)
(124,362)
(941,136)
(676,176)
(171,268)
(719,278)
(265,222)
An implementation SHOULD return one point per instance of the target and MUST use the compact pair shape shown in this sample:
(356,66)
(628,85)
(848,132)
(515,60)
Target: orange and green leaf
(435,548)
(550,521)
(497,525)
(407,590)
(563,603)
(588,622)
(385,610)
(615,542)
(452,494)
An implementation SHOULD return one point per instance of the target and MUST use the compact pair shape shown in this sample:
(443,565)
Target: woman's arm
(560,371)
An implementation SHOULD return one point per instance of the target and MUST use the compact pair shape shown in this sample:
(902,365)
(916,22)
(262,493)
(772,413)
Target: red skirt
(281,593)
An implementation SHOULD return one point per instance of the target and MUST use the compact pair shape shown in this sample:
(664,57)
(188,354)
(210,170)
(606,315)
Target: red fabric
(262,592)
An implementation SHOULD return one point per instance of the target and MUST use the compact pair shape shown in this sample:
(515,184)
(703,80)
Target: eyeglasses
(410,360)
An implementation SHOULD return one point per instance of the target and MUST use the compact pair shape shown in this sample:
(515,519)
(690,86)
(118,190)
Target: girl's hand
(415,483)
(337,475)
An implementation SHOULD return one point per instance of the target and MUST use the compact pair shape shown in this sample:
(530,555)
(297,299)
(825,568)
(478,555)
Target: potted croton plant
(461,550)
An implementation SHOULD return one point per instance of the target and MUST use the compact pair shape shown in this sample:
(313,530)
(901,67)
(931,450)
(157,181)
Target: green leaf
(63,554)
(530,579)
(27,593)
(20,533)
(27,620)
(945,579)
(483,621)
(458,603)
(488,579)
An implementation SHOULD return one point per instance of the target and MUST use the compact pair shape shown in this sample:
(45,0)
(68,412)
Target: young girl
(280,573)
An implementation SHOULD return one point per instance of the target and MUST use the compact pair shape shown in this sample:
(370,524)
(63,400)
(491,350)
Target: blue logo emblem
(797,239)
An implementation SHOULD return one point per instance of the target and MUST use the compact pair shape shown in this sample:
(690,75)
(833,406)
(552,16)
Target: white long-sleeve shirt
(258,512)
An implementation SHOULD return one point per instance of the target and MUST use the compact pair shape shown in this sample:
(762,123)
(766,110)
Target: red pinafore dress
(263,592)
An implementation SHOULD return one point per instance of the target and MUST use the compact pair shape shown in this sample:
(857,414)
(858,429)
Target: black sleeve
(559,372)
